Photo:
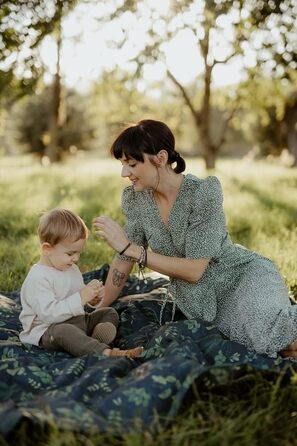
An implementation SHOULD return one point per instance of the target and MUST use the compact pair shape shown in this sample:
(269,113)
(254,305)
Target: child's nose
(75,257)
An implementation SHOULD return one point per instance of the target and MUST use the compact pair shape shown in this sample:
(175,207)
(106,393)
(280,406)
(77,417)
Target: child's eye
(132,165)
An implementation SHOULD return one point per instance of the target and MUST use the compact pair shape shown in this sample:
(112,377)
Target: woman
(181,219)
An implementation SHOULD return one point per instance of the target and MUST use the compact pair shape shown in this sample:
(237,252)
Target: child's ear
(46,247)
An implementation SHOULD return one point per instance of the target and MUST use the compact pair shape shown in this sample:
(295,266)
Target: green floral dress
(241,292)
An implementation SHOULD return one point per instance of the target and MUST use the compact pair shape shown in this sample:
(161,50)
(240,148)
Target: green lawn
(261,209)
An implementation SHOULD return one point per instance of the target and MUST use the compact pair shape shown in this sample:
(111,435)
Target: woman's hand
(111,231)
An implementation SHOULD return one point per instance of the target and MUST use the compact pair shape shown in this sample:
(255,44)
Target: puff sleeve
(207,226)
(132,208)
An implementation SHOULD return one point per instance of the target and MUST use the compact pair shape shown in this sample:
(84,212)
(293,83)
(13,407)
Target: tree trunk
(292,145)
(209,149)
(291,131)
(53,151)
(6,140)
(210,157)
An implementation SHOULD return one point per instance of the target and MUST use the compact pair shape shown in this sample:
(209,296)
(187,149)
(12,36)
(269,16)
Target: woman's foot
(131,353)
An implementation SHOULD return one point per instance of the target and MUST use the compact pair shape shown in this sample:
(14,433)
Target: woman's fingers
(102,221)
(111,232)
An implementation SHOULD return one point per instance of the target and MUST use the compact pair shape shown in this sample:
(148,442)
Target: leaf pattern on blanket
(95,393)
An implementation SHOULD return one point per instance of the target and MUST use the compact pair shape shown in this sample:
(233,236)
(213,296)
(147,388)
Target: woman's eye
(132,165)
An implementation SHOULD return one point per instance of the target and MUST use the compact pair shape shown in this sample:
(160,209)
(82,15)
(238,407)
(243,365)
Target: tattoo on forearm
(117,277)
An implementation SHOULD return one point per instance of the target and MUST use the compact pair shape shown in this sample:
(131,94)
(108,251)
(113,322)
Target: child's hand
(91,291)
(97,299)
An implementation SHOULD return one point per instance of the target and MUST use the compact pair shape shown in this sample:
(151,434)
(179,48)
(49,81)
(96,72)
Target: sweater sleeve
(207,226)
(40,297)
(133,225)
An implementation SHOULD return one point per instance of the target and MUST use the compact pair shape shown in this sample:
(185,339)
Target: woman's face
(143,175)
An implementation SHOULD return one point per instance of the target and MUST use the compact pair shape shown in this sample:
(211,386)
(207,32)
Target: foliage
(23,25)
(74,132)
(277,49)
(261,114)
(267,115)
(116,96)
(221,30)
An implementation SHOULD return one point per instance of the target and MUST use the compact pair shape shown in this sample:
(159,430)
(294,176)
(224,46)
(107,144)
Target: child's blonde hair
(61,224)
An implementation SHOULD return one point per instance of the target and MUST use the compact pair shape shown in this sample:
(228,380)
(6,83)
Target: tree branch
(195,113)
(215,62)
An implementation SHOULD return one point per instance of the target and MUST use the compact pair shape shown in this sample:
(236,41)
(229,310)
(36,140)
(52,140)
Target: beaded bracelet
(142,263)
(143,257)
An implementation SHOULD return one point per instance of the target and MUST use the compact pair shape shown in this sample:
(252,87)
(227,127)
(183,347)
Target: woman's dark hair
(147,136)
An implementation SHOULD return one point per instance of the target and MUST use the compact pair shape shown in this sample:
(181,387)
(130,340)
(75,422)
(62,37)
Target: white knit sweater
(49,296)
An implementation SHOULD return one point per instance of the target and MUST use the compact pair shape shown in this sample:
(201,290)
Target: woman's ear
(162,158)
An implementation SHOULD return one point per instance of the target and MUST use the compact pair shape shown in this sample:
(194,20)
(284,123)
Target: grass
(261,210)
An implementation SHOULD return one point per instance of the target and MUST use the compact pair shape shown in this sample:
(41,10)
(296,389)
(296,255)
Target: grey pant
(74,334)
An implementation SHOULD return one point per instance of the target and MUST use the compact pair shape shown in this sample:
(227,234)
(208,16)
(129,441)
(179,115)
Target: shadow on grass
(269,202)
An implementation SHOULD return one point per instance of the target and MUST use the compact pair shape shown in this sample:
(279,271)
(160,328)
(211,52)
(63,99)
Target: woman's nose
(125,171)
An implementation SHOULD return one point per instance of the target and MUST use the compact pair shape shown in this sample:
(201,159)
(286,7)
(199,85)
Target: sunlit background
(221,73)
(87,49)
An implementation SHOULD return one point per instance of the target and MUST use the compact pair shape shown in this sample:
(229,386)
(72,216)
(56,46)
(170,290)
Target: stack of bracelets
(142,259)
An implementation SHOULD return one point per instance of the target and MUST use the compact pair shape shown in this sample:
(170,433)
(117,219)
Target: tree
(290,125)
(222,30)
(115,99)
(277,59)
(23,26)
(268,115)
(55,121)
(33,124)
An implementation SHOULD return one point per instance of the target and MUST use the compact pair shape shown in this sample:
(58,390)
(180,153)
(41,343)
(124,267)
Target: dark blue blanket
(95,393)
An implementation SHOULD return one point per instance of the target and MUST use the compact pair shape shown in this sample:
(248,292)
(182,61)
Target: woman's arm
(116,279)
(190,270)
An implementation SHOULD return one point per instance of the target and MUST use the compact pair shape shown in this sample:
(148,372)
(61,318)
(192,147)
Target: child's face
(62,255)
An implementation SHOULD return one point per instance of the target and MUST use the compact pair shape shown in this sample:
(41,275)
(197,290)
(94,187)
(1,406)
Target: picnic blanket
(95,393)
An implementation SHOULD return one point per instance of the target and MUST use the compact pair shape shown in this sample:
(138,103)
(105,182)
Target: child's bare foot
(131,353)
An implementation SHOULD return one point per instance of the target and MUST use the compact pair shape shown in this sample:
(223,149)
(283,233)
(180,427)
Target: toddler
(53,294)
